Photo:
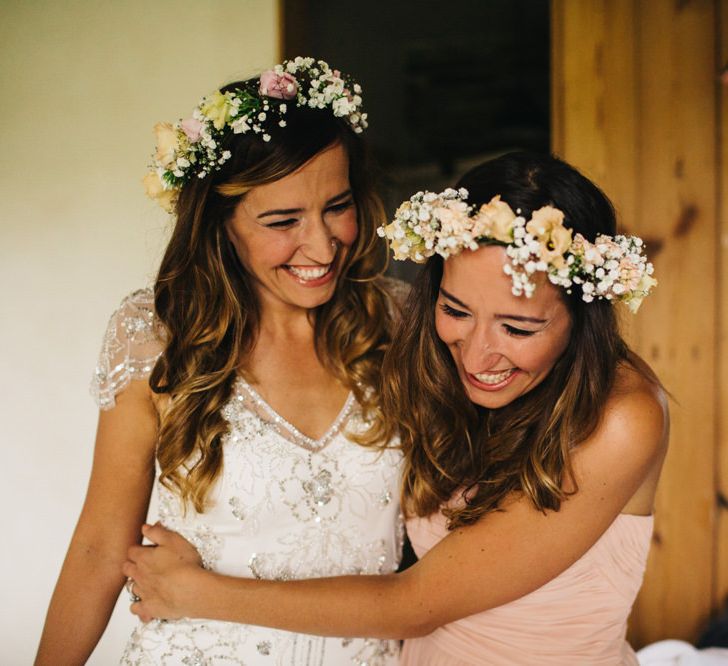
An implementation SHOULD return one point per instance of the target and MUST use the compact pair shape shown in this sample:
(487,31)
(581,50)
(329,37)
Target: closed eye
(518,332)
(282,224)
(452,312)
(340,207)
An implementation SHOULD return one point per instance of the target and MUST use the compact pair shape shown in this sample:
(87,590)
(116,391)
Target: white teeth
(494,378)
(309,273)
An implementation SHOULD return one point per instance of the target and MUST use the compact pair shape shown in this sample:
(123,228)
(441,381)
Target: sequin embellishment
(319,488)
(284,506)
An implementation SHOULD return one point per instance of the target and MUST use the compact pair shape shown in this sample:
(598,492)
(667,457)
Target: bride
(244,375)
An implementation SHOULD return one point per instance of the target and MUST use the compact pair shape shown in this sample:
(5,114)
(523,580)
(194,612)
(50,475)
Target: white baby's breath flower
(444,224)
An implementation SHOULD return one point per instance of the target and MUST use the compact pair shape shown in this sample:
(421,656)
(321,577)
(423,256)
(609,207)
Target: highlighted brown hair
(205,299)
(453,446)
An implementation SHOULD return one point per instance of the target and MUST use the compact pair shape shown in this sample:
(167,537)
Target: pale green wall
(81,85)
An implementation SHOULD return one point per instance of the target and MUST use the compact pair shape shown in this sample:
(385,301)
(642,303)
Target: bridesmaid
(247,375)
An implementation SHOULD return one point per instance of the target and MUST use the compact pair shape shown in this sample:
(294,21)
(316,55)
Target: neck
(281,321)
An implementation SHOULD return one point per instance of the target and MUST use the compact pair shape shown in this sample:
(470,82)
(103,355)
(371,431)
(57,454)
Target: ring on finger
(129,585)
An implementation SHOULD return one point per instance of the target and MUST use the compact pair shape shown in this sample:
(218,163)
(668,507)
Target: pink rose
(191,127)
(280,86)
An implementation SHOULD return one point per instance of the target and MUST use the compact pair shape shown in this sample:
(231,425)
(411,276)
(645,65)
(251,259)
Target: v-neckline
(302,440)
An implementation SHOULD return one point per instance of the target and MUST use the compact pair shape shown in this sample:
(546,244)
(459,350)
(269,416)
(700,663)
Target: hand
(164,574)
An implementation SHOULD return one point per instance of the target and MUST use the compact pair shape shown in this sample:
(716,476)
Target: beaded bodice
(284,507)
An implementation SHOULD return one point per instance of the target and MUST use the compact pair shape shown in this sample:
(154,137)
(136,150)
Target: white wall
(81,85)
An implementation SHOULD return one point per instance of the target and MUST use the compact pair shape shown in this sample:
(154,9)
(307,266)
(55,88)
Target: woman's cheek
(347,228)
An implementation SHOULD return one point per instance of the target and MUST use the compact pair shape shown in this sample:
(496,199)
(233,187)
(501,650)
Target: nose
(317,242)
(478,350)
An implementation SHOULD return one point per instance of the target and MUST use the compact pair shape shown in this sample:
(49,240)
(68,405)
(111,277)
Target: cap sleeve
(132,344)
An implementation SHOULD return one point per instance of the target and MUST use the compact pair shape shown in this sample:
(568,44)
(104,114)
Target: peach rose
(155,190)
(498,219)
(167,144)
(547,226)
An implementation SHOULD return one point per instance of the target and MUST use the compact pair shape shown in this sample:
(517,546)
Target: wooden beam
(720,597)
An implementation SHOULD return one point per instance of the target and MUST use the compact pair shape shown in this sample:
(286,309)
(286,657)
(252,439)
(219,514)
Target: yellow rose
(217,108)
(498,219)
(643,289)
(547,227)
(167,144)
(155,190)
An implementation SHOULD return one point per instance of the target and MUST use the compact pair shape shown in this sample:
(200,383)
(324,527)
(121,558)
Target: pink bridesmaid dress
(579,617)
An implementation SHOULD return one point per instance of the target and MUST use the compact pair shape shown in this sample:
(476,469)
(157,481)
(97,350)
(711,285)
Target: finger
(138,609)
(141,612)
(129,569)
(157,533)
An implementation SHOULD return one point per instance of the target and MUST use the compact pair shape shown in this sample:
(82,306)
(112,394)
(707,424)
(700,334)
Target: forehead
(324,176)
(477,279)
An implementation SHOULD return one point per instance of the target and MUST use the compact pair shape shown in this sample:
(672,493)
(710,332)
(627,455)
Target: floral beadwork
(133,342)
(261,520)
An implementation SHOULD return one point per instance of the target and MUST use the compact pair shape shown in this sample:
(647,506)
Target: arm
(116,501)
(501,558)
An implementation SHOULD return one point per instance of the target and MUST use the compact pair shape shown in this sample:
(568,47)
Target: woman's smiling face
(503,345)
(293,235)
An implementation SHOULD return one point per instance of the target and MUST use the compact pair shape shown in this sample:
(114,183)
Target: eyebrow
(291,211)
(513,317)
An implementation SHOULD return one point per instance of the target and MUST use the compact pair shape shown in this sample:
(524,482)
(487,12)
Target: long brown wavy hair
(207,303)
(455,449)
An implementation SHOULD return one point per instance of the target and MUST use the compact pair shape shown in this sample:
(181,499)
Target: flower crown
(193,147)
(611,268)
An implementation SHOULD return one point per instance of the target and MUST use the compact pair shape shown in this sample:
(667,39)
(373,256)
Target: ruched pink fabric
(579,617)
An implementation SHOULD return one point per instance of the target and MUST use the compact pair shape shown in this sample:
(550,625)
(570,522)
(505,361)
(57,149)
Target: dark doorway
(446,84)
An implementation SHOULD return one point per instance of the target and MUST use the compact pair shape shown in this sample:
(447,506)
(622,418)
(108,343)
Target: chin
(489,401)
(313,298)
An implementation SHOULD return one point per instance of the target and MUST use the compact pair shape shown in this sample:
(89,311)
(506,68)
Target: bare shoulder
(636,417)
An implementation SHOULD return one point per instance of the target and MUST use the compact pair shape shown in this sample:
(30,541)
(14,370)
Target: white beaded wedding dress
(285,507)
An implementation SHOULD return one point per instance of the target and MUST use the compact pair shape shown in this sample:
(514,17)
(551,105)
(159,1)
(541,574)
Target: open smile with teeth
(493,378)
(309,273)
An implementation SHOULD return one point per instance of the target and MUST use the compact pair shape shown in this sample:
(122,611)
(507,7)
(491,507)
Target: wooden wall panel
(721,546)
(676,333)
(634,89)
(598,33)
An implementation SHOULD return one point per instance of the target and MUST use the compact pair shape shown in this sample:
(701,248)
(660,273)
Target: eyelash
(510,330)
(452,312)
(517,332)
(341,207)
(336,209)
(281,224)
